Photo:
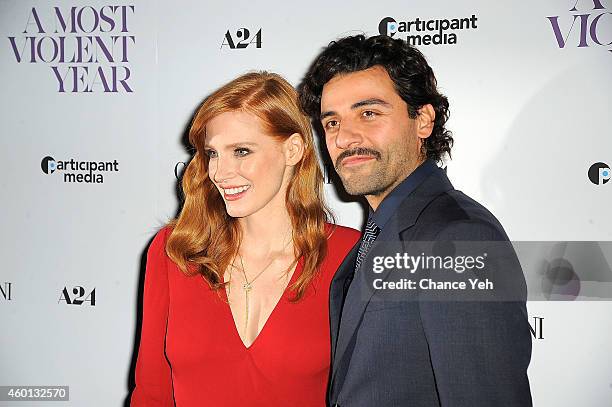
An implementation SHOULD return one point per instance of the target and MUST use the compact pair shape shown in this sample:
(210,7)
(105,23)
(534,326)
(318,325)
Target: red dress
(191,354)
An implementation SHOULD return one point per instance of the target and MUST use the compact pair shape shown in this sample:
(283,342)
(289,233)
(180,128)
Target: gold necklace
(247,286)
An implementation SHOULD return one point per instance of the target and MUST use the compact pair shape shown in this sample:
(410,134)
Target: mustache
(357,151)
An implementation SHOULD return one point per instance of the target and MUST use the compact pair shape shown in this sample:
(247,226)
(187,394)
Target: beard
(353,181)
(375,183)
(377,177)
(374,178)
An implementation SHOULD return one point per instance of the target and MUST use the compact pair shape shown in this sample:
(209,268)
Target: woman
(236,288)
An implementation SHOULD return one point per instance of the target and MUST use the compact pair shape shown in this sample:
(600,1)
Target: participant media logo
(599,173)
(75,171)
(427,32)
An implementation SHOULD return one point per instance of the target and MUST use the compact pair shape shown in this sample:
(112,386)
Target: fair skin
(371,139)
(251,170)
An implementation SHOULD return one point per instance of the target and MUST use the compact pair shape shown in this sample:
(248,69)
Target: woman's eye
(211,153)
(241,152)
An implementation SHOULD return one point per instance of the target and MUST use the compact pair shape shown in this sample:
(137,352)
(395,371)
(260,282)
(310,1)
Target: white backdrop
(530,93)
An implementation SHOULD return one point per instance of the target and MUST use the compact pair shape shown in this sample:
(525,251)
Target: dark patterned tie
(369,236)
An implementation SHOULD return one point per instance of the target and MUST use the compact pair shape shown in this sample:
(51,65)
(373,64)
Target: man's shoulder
(455,215)
(455,205)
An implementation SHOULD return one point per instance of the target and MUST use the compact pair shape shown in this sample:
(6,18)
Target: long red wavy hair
(204,238)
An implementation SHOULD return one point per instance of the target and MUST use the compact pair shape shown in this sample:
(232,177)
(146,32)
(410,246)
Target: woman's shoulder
(163,233)
(342,235)
(340,241)
(158,244)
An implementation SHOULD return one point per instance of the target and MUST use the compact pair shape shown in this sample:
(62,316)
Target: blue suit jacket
(429,353)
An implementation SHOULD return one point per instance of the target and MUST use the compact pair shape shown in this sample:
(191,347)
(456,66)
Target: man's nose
(349,135)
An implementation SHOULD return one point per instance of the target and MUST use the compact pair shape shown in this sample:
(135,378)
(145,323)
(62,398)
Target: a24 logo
(241,39)
(79,296)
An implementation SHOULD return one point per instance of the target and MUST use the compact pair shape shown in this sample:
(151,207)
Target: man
(384,124)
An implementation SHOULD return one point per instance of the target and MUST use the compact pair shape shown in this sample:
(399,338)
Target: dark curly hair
(413,78)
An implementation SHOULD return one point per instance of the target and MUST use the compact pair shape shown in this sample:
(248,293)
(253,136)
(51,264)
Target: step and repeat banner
(97,97)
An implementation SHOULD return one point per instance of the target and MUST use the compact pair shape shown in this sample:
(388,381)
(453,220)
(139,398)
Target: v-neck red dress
(191,354)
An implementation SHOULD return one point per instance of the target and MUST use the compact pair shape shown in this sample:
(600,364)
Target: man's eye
(331,124)
(368,113)
(211,153)
(241,152)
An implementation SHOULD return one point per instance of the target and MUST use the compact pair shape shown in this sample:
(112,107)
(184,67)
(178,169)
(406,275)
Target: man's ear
(425,121)
(294,149)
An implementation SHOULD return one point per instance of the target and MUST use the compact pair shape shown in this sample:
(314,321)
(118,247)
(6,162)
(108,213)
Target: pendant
(247,286)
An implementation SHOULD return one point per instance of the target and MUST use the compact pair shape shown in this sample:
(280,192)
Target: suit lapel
(361,291)
(336,292)
(358,296)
